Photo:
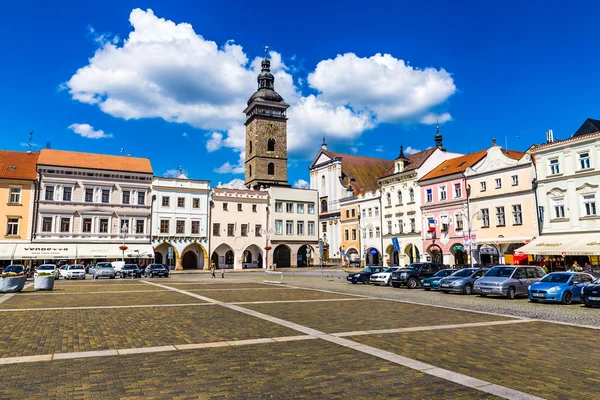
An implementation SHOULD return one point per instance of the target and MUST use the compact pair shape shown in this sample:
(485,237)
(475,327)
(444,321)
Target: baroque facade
(180,221)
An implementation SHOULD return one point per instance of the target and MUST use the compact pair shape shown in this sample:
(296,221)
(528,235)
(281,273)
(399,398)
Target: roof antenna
(29,144)
(266,49)
(122,150)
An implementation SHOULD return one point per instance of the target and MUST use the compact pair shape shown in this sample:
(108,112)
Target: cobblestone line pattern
(48,332)
(548,360)
(367,315)
(521,307)
(98,299)
(97,286)
(298,370)
(229,296)
(225,285)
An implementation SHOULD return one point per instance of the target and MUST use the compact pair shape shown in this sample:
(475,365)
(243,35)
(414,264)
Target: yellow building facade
(349,219)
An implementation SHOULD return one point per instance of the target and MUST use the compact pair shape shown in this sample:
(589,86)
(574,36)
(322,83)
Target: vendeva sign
(28,252)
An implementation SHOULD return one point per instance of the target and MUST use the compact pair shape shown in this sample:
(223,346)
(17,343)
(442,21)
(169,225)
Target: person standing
(212,270)
(222,273)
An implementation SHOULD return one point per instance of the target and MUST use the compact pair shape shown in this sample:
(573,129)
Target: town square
(332,201)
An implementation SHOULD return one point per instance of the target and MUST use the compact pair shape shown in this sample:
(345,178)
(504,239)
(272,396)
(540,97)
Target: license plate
(538,295)
(445,285)
(594,298)
(426,284)
(485,290)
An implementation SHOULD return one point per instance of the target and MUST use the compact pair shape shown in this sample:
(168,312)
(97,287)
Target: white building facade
(180,221)
(369,226)
(568,192)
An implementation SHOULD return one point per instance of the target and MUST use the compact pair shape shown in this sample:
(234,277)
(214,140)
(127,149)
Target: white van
(117,265)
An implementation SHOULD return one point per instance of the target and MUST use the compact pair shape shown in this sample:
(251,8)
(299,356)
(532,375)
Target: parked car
(363,276)
(432,283)
(508,280)
(15,268)
(462,280)
(62,271)
(562,287)
(591,294)
(383,277)
(105,270)
(129,270)
(153,270)
(47,268)
(74,271)
(412,275)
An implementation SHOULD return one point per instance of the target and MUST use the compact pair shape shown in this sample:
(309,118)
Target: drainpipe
(150,224)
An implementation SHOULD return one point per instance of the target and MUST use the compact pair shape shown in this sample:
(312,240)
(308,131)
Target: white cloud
(301,184)
(380,149)
(184,134)
(433,118)
(354,150)
(410,151)
(174,173)
(386,86)
(167,70)
(229,168)
(88,131)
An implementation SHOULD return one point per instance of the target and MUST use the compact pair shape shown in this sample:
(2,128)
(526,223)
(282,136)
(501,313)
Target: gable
(322,157)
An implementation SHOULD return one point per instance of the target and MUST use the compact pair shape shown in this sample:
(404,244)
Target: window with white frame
(485,218)
(353,234)
(377,232)
(164,227)
(559,207)
(165,200)
(311,228)
(289,227)
(442,191)
(346,237)
(67,193)
(399,194)
(278,206)
(364,212)
(370,233)
(300,208)
(429,195)
(139,226)
(554,166)
(411,195)
(105,196)
(413,225)
(126,197)
(541,213)
(311,208)
(457,191)
(15,195)
(584,160)
(458,225)
(589,204)
(500,217)
(49,194)
(389,199)
(400,226)
(498,183)
(389,227)
(517,214)
(65,224)
(278,227)
(377,211)
(289,207)
(515,180)
(47,224)
(483,186)
(103,227)
(244,230)
(12,227)
(370,212)
(300,228)
(181,202)
(231,230)
(180,227)
(86,227)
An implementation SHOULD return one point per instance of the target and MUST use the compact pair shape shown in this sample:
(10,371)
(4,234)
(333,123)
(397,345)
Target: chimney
(549,136)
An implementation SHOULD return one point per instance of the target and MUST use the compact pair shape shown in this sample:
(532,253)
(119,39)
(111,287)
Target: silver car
(104,270)
(508,280)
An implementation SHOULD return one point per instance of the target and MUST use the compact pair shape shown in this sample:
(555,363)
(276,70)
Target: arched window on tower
(250,170)
(250,147)
(271,145)
(271,169)
(323,205)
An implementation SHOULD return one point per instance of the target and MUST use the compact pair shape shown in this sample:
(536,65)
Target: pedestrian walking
(575,267)
(222,272)
(587,268)
(212,270)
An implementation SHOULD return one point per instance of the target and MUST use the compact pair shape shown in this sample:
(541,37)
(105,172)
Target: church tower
(266,134)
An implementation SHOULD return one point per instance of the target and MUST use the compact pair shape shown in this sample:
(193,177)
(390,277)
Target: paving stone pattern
(48,332)
(547,360)
(348,316)
(225,285)
(232,296)
(50,300)
(97,286)
(293,370)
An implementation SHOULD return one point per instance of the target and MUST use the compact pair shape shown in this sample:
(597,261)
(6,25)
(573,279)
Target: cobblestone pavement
(295,370)
(438,361)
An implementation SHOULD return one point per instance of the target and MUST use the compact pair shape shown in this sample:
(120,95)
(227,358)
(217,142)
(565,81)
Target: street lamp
(267,233)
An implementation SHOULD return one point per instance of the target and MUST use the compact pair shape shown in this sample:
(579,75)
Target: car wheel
(389,282)
(511,293)
(412,283)
(482,295)
(365,280)
(468,289)
(585,303)
(396,285)
(567,298)
(445,291)
(428,289)
(84,278)
(112,277)
(533,300)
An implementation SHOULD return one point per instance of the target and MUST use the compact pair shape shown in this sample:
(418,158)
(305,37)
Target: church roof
(414,162)
(266,85)
(361,173)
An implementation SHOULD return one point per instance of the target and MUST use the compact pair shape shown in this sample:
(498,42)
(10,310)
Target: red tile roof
(414,162)
(455,165)
(18,165)
(94,161)
(360,172)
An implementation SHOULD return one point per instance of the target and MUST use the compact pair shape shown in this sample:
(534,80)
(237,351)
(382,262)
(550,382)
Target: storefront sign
(37,252)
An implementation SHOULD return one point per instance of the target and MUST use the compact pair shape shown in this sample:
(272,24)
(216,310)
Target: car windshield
(130,266)
(14,268)
(414,266)
(501,272)
(104,266)
(101,265)
(76,267)
(556,278)
(391,269)
(46,267)
(464,272)
(156,266)
(445,272)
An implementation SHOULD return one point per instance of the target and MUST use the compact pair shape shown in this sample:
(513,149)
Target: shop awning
(112,250)
(42,251)
(570,245)
(6,251)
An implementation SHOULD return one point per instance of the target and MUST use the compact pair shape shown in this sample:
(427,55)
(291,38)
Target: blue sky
(171,83)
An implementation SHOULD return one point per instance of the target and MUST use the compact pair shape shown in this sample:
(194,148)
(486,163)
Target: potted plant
(11,282)
(43,281)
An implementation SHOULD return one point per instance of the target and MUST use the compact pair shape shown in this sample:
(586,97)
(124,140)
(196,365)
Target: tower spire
(438,137)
